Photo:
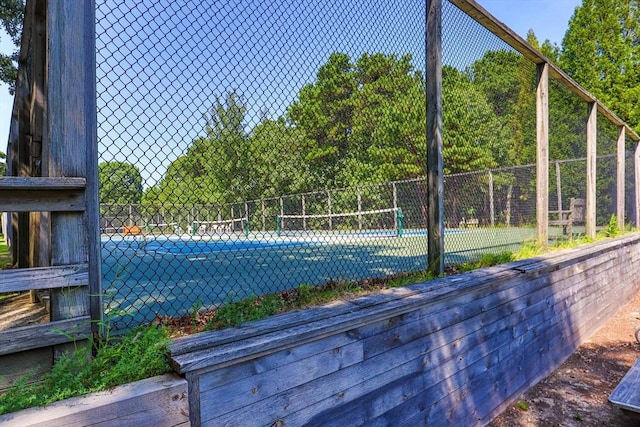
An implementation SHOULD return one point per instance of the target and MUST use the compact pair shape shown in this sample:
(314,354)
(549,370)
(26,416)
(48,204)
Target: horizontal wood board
(24,338)
(37,278)
(426,354)
(157,401)
(627,394)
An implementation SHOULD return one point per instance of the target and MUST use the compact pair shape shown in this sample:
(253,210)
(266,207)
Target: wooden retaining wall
(154,402)
(453,351)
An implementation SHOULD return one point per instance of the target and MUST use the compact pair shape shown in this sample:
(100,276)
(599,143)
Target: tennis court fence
(497,197)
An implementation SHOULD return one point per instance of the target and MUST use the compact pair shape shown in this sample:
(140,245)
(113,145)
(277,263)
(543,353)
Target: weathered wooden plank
(636,181)
(13,367)
(621,151)
(542,154)
(23,279)
(232,352)
(592,138)
(278,360)
(386,304)
(157,401)
(71,132)
(626,395)
(456,346)
(193,386)
(435,170)
(518,324)
(28,183)
(44,334)
(218,399)
(343,320)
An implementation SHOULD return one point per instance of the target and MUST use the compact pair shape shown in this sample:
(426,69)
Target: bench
(568,218)
(626,395)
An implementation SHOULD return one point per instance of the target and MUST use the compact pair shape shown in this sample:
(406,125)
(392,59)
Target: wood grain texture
(41,335)
(71,131)
(621,151)
(435,168)
(627,394)
(592,152)
(453,352)
(23,279)
(542,154)
(157,401)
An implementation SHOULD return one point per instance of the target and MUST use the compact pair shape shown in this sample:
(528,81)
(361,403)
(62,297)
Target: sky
(548,19)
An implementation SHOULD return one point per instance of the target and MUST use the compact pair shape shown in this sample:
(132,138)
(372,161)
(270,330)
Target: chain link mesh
(250,147)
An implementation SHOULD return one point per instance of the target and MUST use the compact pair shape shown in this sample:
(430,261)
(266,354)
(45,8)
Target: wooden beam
(542,157)
(592,134)
(636,165)
(41,335)
(41,194)
(71,131)
(435,175)
(23,279)
(620,178)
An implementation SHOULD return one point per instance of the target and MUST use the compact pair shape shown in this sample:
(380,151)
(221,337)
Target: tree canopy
(11,18)
(601,51)
(120,182)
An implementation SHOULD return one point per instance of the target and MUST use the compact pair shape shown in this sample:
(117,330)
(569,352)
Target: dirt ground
(576,393)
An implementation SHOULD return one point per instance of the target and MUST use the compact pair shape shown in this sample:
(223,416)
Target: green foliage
(487,260)
(140,354)
(612,229)
(5,255)
(3,165)
(522,405)
(252,308)
(600,50)
(120,182)
(11,18)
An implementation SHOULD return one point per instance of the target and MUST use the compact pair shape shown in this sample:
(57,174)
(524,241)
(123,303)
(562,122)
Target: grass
(5,255)
(140,354)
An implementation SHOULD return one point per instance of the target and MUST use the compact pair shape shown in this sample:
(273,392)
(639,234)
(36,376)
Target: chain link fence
(250,147)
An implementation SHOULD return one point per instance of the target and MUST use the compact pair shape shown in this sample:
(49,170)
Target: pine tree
(601,51)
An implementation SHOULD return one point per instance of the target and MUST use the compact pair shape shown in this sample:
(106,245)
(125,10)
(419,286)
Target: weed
(5,254)
(140,354)
(522,405)
(612,229)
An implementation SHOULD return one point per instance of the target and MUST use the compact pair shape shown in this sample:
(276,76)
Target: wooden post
(304,210)
(620,180)
(395,206)
(559,185)
(72,135)
(281,213)
(330,209)
(435,177)
(637,183)
(359,197)
(492,210)
(542,157)
(592,133)
(39,244)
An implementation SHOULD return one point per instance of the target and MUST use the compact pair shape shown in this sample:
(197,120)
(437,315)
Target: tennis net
(209,228)
(380,221)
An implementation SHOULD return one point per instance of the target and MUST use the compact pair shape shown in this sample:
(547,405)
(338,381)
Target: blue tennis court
(167,276)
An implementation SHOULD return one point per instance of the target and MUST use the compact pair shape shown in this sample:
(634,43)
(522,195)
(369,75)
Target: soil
(576,393)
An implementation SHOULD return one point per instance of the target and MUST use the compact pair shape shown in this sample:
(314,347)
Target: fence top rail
(477,12)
